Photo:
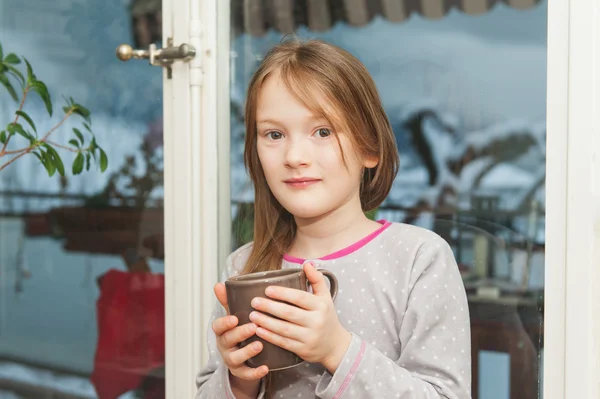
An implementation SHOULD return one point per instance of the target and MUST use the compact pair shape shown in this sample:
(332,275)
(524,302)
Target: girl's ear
(370,162)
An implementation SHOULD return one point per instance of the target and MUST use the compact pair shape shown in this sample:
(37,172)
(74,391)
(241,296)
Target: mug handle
(333,282)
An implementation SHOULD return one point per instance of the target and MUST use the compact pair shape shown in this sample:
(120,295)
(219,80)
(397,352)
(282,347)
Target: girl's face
(301,157)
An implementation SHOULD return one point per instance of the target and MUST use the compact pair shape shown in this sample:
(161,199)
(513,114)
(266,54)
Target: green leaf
(87,126)
(42,90)
(78,164)
(74,143)
(93,144)
(70,102)
(17,128)
(82,111)
(16,73)
(48,164)
(87,161)
(3,136)
(43,157)
(12,58)
(55,159)
(103,160)
(1,56)
(6,83)
(30,75)
(27,118)
(79,135)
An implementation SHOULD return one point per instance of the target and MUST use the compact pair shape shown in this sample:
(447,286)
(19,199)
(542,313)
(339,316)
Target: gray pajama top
(402,298)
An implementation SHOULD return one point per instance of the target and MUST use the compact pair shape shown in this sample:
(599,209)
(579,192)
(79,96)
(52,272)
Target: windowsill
(23,381)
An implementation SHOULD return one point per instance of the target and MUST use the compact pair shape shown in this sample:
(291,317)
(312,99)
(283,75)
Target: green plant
(41,146)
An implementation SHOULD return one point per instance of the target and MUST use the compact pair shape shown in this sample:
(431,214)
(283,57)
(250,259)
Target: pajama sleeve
(434,334)
(213,380)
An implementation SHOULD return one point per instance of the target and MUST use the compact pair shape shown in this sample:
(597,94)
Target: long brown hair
(307,68)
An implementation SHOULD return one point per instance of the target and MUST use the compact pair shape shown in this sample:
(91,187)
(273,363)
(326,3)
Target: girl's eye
(323,133)
(274,135)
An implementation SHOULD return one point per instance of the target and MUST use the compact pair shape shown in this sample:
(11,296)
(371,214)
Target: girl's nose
(297,154)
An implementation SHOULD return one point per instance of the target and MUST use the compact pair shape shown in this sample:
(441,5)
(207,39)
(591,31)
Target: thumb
(316,280)
(221,294)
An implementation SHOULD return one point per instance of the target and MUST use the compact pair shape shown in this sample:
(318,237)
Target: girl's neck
(321,236)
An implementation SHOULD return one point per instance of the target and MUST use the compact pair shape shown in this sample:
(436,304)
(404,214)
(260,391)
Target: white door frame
(572,317)
(195,204)
(197,221)
(580,216)
(556,199)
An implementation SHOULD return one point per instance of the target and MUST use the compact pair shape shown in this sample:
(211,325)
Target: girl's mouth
(301,182)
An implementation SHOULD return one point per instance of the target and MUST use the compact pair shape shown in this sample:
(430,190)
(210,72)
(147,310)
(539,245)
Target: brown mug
(240,292)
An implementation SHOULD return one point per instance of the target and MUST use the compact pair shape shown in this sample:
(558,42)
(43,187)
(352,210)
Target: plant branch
(12,152)
(25,91)
(22,104)
(39,145)
(64,147)
(26,151)
(59,124)
(43,140)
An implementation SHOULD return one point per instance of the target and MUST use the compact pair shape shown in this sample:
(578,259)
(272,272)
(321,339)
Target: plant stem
(11,152)
(22,104)
(57,125)
(25,91)
(24,151)
(15,158)
(64,147)
(43,140)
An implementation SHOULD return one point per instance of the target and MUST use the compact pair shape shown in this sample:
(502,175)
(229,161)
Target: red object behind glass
(131,333)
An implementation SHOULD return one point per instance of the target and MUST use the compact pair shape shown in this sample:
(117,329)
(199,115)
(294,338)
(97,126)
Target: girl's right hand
(229,335)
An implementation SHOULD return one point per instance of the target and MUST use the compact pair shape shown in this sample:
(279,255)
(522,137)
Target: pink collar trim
(349,249)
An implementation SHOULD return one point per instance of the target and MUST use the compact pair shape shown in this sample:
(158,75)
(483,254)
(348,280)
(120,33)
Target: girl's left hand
(311,330)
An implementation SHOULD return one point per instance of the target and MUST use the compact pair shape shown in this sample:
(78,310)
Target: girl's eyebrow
(271,121)
(313,118)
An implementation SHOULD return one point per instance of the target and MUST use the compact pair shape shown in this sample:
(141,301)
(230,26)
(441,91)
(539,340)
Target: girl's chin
(306,213)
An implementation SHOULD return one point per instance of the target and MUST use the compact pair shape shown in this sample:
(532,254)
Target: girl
(321,152)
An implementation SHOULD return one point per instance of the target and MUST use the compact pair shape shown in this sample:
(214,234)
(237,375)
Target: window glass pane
(465,92)
(81,256)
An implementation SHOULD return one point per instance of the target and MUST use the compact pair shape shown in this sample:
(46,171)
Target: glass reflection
(466,97)
(82,256)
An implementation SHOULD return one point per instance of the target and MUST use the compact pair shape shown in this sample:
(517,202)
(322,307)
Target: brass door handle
(158,57)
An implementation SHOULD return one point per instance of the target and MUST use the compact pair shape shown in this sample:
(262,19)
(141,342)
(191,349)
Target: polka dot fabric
(402,298)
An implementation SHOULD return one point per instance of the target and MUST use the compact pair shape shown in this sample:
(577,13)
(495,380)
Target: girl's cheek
(328,147)
(267,155)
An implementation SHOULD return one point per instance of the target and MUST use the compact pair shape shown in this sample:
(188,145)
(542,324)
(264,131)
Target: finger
(302,299)
(276,339)
(238,357)
(250,374)
(223,324)
(221,294)
(316,280)
(233,337)
(279,327)
(281,310)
